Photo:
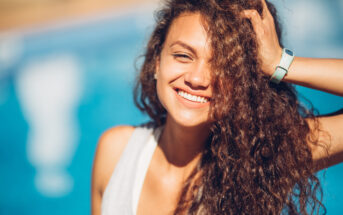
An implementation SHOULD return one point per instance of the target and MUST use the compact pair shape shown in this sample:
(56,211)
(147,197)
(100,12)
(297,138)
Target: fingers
(265,8)
(266,13)
(262,25)
(255,19)
(267,39)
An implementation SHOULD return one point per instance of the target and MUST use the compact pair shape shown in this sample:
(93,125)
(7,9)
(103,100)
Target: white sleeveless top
(123,190)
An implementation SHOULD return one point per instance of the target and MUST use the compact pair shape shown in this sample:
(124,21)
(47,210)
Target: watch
(282,69)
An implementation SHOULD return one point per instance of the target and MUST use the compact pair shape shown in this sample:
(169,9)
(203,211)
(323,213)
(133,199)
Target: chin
(188,120)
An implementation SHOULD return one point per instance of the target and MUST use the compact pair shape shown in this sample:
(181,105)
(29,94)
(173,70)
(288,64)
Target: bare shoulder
(109,149)
(327,130)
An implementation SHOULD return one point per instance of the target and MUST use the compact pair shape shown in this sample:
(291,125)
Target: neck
(183,146)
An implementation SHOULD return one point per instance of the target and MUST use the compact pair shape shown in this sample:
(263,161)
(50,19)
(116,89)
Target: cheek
(165,77)
(159,92)
(169,74)
(170,69)
(163,91)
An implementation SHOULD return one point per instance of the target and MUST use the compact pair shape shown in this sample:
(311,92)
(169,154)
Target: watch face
(289,52)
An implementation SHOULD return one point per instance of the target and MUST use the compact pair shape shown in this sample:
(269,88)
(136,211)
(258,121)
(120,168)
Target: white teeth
(192,97)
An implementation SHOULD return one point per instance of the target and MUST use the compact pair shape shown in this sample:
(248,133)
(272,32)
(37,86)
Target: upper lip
(192,92)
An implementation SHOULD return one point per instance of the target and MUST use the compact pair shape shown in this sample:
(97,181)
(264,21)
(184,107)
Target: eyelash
(183,56)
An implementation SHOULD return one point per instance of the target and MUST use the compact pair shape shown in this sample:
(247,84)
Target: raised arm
(320,74)
(316,73)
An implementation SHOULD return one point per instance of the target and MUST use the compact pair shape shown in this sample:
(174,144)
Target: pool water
(60,88)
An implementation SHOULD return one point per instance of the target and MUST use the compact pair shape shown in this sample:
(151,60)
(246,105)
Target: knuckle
(255,13)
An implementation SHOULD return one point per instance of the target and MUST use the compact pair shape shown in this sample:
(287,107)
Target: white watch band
(282,69)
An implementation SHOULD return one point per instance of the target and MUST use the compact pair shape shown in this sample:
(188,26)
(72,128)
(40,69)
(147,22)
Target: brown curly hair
(257,159)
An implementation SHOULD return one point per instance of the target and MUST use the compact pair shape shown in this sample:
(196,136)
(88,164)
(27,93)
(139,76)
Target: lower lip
(190,104)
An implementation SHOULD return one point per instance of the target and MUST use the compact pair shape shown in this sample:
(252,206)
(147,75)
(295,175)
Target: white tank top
(123,190)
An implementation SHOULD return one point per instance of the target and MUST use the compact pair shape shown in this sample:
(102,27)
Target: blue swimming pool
(61,87)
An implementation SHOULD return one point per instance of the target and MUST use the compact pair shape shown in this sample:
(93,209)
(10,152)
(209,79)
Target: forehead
(189,28)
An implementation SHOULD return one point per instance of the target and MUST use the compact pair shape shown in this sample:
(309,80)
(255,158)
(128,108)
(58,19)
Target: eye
(182,57)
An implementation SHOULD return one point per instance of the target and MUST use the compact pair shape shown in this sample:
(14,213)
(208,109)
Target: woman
(224,138)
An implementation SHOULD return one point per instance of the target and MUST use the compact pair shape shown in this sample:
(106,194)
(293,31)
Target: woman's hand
(269,47)
(316,73)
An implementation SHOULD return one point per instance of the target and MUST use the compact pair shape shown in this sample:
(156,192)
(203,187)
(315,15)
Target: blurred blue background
(62,85)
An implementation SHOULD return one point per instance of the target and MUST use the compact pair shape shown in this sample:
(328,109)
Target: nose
(198,76)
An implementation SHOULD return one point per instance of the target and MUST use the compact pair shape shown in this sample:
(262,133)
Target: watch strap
(282,69)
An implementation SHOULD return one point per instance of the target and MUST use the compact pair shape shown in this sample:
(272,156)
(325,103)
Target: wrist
(276,61)
(272,62)
(283,66)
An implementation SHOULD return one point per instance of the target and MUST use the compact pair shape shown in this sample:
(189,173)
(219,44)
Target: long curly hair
(257,159)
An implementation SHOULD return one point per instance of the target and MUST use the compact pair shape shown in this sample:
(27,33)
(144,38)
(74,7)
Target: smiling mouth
(193,98)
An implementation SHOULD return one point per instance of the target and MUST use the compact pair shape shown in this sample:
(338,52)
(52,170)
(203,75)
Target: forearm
(316,73)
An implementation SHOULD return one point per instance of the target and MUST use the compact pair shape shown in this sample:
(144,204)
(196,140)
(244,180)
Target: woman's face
(183,72)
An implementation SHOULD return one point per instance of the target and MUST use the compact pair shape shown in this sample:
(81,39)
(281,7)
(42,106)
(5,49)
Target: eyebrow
(184,45)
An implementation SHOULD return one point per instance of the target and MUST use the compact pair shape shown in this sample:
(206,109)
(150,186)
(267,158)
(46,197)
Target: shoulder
(327,139)
(114,140)
(109,149)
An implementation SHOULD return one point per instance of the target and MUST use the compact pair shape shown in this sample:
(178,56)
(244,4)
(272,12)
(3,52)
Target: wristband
(282,69)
